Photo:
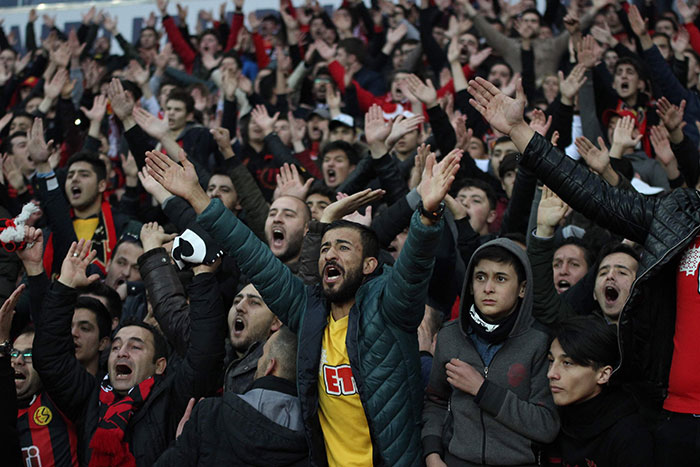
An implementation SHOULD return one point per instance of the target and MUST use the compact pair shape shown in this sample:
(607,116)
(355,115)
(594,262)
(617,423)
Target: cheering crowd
(447,233)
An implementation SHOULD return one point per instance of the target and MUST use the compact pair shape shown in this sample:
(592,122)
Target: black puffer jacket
(76,392)
(262,427)
(664,226)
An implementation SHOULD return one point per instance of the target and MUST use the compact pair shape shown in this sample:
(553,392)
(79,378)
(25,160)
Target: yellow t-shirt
(342,417)
(85,228)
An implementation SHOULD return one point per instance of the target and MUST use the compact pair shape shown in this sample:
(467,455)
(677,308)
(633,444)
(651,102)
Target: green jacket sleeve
(407,286)
(281,291)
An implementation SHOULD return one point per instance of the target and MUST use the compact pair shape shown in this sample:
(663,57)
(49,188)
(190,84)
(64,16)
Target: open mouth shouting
(239,326)
(331,177)
(611,295)
(278,237)
(75,192)
(332,273)
(562,286)
(122,371)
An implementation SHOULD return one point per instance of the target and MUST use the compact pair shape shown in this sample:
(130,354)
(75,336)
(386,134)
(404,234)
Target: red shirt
(684,379)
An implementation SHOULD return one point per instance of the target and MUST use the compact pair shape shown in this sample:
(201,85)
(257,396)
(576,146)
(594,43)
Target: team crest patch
(43,416)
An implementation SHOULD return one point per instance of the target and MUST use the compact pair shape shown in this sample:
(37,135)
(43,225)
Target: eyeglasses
(26,355)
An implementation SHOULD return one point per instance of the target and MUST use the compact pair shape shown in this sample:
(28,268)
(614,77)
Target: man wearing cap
(342,128)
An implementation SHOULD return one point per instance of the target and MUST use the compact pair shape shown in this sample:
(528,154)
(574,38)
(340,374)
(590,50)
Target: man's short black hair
(211,32)
(179,94)
(354,46)
(625,60)
(368,238)
(673,22)
(344,146)
(480,184)
(617,247)
(283,349)
(91,158)
(532,11)
(133,88)
(508,164)
(127,237)
(114,302)
(589,341)
(500,255)
(102,316)
(320,188)
(161,345)
(587,253)
(6,147)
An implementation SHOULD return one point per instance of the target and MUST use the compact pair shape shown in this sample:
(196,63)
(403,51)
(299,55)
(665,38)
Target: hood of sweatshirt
(525,319)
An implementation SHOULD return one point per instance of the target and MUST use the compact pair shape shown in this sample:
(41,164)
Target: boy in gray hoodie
(488,400)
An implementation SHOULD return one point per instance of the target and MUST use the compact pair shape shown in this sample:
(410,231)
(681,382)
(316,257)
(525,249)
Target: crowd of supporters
(446,233)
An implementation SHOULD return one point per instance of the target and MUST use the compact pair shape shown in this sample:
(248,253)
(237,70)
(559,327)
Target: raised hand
(418,165)
(110,24)
(52,88)
(346,206)
(153,236)
(671,115)
(151,124)
(586,52)
(182,12)
(263,120)
(229,84)
(357,217)
(7,311)
(623,133)
(479,57)
(598,159)
(289,183)
(637,23)
(32,254)
(687,13)
(680,42)
(254,22)
(129,166)
(395,35)
(98,110)
(603,34)
(37,146)
(223,141)
(501,111)
(325,51)
(540,122)
(154,188)
(425,92)
(662,146)
(437,178)
(402,126)
(570,86)
(162,6)
(73,269)
(122,104)
(377,130)
(180,180)
(137,73)
(550,212)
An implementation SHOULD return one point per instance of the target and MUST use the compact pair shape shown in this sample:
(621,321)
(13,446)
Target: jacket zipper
(481,415)
(678,246)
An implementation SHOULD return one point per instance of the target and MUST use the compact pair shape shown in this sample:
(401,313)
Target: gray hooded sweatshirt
(513,412)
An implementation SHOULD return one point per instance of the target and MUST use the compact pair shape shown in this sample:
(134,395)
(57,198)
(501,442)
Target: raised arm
(406,288)
(63,377)
(628,214)
(280,289)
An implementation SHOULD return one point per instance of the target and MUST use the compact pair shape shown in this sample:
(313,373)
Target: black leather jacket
(663,225)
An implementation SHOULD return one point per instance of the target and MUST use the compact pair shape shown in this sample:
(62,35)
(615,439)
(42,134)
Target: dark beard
(347,290)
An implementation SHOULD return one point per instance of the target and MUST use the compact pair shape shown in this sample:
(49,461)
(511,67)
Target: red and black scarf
(108,444)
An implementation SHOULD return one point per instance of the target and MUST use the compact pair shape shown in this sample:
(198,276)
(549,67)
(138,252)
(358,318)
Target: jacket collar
(275,383)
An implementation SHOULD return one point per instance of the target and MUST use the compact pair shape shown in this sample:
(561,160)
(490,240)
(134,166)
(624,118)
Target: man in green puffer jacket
(362,404)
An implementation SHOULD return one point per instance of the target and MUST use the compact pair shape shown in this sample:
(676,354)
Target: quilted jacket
(381,338)
(664,226)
